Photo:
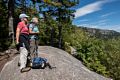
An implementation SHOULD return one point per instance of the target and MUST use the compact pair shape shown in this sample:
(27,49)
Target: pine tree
(11,18)
(60,9)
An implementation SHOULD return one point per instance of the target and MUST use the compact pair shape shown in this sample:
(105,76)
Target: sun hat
(23,16)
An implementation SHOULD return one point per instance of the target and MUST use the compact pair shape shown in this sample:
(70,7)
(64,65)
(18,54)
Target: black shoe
(29,64)
(26,69)
(18,63)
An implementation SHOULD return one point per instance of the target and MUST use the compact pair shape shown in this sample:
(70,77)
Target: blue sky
(102,14)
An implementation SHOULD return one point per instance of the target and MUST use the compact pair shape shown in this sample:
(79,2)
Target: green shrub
(101,56)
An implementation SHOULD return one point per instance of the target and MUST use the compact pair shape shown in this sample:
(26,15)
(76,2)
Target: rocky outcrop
(7,56)
(67,68)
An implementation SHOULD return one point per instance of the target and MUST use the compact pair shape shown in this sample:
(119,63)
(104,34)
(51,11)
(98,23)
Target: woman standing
(34,31)
(22,38)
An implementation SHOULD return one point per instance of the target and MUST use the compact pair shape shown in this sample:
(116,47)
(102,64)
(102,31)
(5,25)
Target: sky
(101,14)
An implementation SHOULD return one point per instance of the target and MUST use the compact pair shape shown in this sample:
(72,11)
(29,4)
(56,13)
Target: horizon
(96,28)
(100,14)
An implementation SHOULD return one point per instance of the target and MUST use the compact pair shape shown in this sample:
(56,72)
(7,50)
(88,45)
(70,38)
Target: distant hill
(102,34)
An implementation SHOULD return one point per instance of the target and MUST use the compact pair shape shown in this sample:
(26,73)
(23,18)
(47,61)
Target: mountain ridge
(101,33)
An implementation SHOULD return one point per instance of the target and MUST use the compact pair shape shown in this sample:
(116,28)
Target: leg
(23,57)
(32,47)
(36,48)
(23,60)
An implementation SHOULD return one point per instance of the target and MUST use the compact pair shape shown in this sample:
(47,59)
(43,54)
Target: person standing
(34,31)
(22,38)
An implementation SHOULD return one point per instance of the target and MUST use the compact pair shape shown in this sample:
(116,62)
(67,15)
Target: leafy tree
(3,25)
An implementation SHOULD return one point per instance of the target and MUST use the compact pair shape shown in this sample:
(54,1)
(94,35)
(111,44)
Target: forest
(56,29)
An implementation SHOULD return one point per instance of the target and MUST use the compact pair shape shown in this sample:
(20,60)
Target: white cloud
(94,24)
(102,24)
(115,27)
(89,25)
(105,27)
(102,21)
(90,8)
(107,14)
(83,20)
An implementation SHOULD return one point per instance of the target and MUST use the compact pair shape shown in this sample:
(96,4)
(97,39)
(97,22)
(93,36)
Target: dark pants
(24,41)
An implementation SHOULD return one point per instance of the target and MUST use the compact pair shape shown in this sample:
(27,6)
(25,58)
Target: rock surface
(7,56)
(67,68)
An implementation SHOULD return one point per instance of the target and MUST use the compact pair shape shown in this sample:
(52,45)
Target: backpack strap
(32,26)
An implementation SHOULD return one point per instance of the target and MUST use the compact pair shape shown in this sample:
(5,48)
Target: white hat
(23,16)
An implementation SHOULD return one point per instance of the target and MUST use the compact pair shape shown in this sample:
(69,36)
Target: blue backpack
(39,63)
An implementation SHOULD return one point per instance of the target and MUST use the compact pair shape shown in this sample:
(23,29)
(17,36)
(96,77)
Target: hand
(17,42)
(17,45)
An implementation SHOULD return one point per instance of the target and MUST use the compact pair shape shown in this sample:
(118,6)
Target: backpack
(40,63)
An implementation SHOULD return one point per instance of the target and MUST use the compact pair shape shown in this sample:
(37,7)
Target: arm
(31,27)
(31,32)
(17,35)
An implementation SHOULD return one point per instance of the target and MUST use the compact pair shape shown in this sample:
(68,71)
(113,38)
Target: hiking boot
(26,69)
(18,63)
(29,64)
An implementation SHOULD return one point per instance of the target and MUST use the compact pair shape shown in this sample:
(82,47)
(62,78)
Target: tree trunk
(11,14)
(60,29)
(60,36)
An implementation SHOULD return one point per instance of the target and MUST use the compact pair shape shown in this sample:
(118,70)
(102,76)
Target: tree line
(56,29)
(99,55)
(51,13)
